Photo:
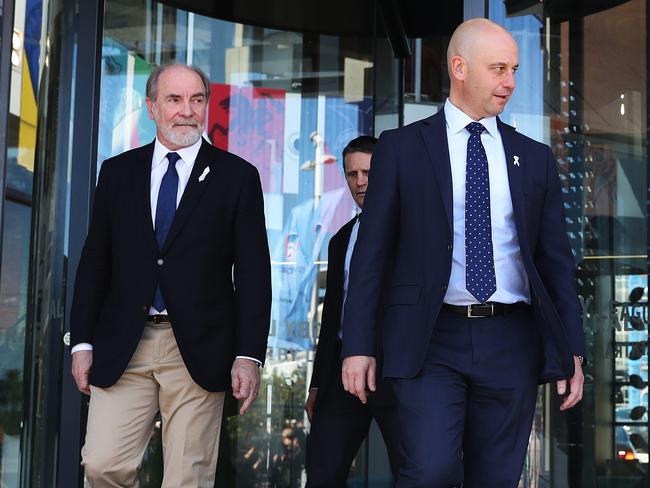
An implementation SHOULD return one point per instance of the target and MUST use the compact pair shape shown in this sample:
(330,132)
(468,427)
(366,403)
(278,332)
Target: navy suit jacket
(405,247)
(327,354)
(213,269)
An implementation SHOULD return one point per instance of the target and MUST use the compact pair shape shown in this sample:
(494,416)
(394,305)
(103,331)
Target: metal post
(82,184)
(7,7)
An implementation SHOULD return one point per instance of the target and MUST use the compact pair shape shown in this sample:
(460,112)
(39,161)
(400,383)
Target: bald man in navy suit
(463,231)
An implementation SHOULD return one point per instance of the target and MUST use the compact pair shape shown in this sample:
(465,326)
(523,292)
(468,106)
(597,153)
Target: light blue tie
(165,210)
(480,276)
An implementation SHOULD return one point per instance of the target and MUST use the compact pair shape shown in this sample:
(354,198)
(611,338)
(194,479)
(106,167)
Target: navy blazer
(327,354)
(405,247)
(213,269)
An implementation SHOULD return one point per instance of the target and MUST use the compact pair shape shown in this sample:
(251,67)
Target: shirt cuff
(82,346)
(259,363)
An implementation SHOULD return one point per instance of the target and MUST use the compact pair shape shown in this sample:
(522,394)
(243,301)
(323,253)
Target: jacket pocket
(404,295)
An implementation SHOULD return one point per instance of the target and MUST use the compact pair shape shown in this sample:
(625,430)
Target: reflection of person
(172,297)
(340,422)
(463,225)
(286,469)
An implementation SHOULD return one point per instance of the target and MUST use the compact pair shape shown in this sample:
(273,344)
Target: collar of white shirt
(188,154)
(457,120)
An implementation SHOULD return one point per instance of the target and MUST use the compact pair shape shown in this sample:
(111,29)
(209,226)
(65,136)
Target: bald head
(482,59)
(471,32)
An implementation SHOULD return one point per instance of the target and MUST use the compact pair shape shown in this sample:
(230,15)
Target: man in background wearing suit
(339,422)
(172,297)
(464,227)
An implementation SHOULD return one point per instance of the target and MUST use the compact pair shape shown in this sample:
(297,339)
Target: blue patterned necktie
(165,210)
(480,277)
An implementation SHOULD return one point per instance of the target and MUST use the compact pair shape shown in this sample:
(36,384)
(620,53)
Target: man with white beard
(172,297)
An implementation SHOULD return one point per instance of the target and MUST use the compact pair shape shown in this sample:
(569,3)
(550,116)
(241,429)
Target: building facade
(292,83)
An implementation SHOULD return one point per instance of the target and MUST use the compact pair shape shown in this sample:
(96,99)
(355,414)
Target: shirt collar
(457,120)
(188,154)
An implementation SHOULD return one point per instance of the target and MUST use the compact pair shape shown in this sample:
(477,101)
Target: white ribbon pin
(204,174)
(515,160)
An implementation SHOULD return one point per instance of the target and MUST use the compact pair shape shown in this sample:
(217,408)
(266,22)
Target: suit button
(449,248)
(443,287)
(160,262)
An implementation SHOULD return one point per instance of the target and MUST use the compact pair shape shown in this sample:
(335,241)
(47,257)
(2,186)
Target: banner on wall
(274,130)
(249,121)
(124,125)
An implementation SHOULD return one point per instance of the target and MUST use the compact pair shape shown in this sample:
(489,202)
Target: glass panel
(13,299)
(25,71)
(582,89)
(48,270)
(287,102)
(426,81)
(26,64)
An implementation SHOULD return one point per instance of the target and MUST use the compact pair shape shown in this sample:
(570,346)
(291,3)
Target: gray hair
(152,81)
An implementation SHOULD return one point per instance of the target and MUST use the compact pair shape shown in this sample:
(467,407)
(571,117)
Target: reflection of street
(532,465)
(266,446)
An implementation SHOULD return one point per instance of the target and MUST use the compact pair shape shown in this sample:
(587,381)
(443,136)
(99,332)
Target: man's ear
(149,103)
(458,68)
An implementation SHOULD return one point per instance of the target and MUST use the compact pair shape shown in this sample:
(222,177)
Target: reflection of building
(281,71)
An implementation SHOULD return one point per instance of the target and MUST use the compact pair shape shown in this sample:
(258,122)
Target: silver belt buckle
(469,310)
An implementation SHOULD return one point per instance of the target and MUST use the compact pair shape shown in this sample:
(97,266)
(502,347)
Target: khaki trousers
(121,419)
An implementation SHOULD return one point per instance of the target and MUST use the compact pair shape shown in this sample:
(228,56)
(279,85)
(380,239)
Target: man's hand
(359,371)
(245,376)
(81,363)
(311,401)
(575,387)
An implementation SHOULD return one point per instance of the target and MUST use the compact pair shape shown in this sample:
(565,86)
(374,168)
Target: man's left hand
(245,376)
(574,395)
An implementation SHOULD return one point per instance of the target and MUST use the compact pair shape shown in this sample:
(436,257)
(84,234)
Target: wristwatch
(581,359)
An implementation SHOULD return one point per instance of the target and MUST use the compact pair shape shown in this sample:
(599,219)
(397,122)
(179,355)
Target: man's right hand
(311,401)
(81,363)
(359,372)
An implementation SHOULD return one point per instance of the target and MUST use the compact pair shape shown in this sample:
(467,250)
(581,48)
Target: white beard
(191,135)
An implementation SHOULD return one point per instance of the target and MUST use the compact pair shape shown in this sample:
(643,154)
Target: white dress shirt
(511,277)
(346,269)
(159,166)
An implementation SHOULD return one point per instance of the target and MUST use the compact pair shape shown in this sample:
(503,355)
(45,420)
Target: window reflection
(13,296)
(21,145)
(581,89)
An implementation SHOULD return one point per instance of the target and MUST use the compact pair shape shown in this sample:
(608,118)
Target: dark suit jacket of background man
(408,218)
(217,311)
(328,358)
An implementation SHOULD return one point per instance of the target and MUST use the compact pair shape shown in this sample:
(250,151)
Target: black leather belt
(489,309)
(158,319)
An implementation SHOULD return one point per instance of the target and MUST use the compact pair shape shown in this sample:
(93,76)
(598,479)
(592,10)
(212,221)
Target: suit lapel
(346,232)
(192,194)
(516,166)
(339,249)
(143,192)
(434,134)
